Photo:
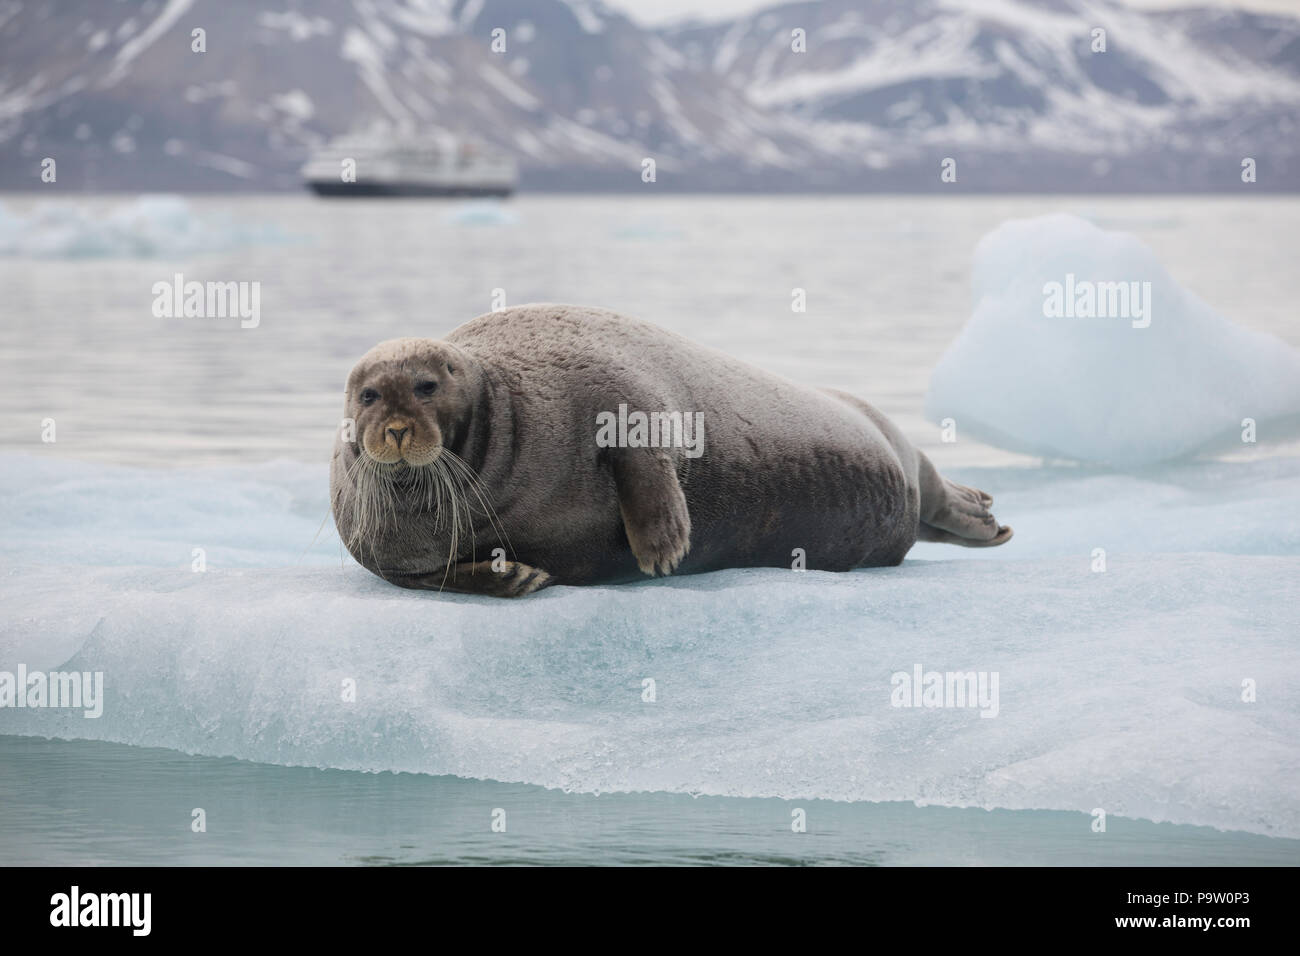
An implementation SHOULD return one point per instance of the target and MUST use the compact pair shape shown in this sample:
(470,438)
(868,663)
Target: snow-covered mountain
(835,94)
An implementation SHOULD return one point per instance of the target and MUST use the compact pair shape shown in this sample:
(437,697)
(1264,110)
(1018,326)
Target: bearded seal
(488,462)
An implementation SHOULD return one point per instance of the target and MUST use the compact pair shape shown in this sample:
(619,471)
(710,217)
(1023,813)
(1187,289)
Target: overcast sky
(666,11)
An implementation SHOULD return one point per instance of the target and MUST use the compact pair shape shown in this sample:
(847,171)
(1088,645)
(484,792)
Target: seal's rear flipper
(955,514)
(930,533)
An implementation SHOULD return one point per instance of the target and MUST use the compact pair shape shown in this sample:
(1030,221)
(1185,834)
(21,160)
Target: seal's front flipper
(512,579)
(655,517)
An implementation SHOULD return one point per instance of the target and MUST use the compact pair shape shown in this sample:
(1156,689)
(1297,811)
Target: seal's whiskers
(447,488)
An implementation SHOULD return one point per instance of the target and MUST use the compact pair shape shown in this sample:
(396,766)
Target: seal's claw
(520,579)
(513,579)
(660,544)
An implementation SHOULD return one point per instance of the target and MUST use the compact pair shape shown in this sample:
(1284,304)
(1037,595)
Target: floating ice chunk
(147,227)
(1129,368)
(483,212)
(57,511)
(649,230)
(1120,689)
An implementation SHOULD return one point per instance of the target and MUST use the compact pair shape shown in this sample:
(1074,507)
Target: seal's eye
(425,389)
(369,396)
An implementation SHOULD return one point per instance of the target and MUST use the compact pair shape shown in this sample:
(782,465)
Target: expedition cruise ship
(409,166)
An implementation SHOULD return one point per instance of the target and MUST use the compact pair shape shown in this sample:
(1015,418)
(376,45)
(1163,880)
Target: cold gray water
(887,283)
(140,811)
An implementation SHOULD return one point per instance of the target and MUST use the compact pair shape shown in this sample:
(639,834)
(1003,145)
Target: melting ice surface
(1120,690)
(1102,388)
(145,227)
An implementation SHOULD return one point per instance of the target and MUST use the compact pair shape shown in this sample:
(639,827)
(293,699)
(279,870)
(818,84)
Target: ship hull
(398,190)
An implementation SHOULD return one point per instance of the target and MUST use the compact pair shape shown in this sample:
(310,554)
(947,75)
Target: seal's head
(410,399)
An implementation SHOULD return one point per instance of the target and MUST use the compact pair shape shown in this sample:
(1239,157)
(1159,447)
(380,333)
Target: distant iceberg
(649,230)
(480,212)
(1082,347)
(149,227)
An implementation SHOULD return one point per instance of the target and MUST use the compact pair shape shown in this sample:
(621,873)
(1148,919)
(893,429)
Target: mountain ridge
(1013,90)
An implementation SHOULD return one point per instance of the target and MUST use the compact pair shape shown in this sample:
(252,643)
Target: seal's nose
(398,434)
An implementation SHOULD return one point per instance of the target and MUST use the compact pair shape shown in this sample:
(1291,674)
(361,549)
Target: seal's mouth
(404,461)
(400,441)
